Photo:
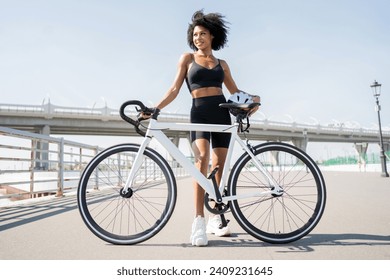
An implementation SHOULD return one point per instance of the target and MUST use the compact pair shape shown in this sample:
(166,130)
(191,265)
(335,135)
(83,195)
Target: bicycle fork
(276,189)
(126,190)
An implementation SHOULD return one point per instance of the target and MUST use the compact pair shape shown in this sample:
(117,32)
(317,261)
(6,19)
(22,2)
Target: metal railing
(34,165)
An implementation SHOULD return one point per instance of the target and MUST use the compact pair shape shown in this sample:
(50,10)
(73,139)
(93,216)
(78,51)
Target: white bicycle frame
(155,130)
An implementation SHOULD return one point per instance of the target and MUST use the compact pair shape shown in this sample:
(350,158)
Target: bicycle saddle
(240,106)
(239,109)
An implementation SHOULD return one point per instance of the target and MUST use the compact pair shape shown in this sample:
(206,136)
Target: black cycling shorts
(207,110)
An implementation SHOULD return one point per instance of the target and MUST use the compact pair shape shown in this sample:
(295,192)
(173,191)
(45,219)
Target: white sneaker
(215,226)
(198,235)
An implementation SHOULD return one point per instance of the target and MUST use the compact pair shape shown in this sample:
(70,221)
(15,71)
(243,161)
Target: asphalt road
(355,226)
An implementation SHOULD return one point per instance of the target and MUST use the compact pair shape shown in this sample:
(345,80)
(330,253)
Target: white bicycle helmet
(239,98)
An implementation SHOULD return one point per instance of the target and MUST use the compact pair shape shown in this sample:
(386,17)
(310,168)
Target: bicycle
(127,193)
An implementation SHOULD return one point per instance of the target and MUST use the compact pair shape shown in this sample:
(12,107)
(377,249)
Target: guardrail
(34,165)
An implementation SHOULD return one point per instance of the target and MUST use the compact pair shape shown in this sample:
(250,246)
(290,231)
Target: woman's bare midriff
(204,92)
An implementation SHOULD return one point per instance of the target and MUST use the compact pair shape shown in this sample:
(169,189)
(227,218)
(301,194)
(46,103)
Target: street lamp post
(376,91)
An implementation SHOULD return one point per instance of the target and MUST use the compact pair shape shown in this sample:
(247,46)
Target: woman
(204,75)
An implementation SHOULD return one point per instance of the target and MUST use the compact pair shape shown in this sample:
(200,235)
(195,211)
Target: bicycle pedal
(224,224)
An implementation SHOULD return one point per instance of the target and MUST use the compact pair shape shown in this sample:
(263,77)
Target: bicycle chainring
(214,207)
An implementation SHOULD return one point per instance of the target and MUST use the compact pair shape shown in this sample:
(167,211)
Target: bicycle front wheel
(278,219)
(132,217)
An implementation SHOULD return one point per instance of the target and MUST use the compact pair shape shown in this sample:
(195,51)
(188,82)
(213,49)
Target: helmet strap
(240,127)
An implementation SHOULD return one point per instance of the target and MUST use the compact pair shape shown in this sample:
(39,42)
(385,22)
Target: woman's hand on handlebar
(143,116)
(146,113)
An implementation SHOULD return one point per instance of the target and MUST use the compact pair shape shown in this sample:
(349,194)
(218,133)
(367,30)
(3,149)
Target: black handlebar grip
(130,120)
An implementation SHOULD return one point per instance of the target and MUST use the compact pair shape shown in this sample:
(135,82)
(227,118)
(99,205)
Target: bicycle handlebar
(154,112)
(136,123)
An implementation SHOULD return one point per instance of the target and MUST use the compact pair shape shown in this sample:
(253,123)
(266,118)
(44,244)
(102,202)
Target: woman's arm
(228,80)
(181,73)
(232,87)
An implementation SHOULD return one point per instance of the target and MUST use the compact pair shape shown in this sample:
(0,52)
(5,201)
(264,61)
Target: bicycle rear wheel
(133,217)
(290,216)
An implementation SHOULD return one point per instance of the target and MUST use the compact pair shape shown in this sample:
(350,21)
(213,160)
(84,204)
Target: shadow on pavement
(20,215)
(306,244)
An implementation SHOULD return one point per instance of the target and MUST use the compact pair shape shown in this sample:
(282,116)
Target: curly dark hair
(215,23)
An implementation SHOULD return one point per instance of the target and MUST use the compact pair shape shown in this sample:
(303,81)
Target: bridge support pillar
(300,143)
(361,149)
(275,158)
(175,140)
(192,155)
(42,153)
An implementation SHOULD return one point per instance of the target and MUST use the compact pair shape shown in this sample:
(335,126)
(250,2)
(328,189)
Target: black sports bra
(199,76)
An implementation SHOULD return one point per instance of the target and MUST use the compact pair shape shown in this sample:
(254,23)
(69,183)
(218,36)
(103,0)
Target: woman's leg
(218,158)
(216,223)
(201,148)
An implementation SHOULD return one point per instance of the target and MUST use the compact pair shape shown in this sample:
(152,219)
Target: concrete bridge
(50,119)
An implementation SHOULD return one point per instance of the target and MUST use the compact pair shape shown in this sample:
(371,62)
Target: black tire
(290,216)
(115,217)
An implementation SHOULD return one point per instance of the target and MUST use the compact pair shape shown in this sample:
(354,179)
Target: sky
(310,61)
